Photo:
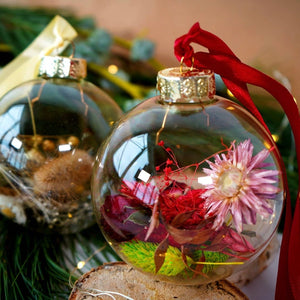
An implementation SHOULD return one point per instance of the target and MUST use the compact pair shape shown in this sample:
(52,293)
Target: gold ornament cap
(186,85)
(63,67)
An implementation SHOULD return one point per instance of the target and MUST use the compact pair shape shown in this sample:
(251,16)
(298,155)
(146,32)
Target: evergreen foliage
(37,266)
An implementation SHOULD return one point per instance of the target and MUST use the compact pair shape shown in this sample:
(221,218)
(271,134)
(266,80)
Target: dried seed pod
(63,174)
(34,159)
(73,140)
(48,146)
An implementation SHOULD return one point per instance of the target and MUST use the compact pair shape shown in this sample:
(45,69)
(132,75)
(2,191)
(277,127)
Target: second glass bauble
(51,128)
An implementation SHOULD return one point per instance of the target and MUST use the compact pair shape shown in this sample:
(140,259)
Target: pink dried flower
(228,239)
(240,185)
(237,242)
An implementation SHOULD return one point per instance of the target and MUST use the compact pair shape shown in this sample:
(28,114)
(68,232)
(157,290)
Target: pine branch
(33,265)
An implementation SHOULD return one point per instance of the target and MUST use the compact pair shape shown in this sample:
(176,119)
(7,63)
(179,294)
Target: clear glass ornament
(188,187)
(51,128)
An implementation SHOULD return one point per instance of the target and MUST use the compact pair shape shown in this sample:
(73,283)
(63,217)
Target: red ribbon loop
(236,75)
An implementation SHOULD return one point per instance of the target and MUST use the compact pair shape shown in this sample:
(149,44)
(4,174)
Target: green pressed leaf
(210,256)
(142,254)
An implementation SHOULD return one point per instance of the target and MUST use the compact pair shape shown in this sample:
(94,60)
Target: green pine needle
(34,266)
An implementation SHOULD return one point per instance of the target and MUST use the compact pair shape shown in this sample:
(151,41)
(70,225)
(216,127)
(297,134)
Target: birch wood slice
(121,278)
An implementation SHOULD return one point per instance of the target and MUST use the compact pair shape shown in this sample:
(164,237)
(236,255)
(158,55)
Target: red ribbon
(236,75)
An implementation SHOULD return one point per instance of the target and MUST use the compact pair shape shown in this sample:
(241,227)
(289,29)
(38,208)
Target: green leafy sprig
(38,266)
(143,256)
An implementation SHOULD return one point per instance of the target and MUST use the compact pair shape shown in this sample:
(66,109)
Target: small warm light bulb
(230,108)
(229,93)
(267,145)
(112,69)
(70,215)
(80,264)
(275,137)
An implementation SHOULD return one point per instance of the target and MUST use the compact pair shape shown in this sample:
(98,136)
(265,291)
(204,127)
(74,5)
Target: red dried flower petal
(116,213)
(176,200)
(167,170)
(169,162)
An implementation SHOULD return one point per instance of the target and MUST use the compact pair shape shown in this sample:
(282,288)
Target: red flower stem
(203,161)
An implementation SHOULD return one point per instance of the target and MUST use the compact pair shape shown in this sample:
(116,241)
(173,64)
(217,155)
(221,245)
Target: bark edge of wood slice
(122,278)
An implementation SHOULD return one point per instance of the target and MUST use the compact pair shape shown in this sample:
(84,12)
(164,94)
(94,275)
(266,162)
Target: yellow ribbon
(52,40)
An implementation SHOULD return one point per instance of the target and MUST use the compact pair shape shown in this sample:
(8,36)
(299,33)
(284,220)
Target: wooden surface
(121,278)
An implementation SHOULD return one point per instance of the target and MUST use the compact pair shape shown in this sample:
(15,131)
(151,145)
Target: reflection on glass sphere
(49,135)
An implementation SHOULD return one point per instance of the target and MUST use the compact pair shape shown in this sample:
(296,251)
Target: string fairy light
(91,291)
(113,69)
(82,263)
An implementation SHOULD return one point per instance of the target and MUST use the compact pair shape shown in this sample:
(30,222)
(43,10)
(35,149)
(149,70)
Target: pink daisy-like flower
(240,185)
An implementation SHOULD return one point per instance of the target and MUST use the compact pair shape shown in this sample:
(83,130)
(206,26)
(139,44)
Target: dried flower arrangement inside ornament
(193,230)
(188,187)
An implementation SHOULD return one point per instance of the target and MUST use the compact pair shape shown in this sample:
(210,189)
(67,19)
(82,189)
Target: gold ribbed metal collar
(63,67)
(186,85)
